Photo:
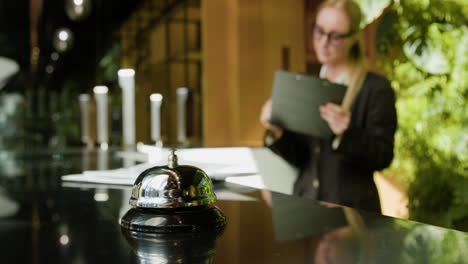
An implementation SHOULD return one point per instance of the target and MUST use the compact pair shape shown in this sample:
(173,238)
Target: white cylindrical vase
(182,95)
(100,94)
(127,83)
(156,101)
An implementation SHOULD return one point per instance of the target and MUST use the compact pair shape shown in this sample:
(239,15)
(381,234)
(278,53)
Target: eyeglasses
(334,38)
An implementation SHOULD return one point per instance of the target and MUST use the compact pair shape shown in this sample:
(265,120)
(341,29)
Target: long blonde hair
(356,53)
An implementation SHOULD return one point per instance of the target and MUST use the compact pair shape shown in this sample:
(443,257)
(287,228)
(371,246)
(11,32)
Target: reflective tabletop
(45,220)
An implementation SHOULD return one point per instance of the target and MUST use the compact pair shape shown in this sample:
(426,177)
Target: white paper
(218,163)
(254,181)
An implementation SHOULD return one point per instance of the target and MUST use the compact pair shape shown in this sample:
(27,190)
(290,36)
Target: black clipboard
(296,99)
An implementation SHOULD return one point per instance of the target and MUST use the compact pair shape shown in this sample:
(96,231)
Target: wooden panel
(142,107)
(283,27)
(251,68)
(158,44)
(220,71)
(243,40)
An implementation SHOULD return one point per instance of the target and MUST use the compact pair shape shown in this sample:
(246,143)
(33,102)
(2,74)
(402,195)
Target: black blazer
(345,175)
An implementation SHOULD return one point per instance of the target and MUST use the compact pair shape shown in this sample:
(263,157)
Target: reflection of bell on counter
(193,248)
(173,199)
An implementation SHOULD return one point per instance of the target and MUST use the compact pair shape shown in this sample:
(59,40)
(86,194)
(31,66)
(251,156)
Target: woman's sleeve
(292,147)
(372,146)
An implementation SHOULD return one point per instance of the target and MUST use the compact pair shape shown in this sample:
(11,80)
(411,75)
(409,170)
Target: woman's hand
(265,120)
(337,118)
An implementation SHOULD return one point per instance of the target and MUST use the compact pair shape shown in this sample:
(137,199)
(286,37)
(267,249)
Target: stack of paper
(218,163)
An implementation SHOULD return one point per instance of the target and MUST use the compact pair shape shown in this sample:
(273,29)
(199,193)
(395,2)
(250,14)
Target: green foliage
(424,50)
(428,244)
(109,65)
(373,9)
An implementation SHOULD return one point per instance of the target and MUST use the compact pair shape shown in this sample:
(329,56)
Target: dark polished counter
(45,220)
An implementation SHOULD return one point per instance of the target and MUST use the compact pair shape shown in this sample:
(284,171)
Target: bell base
(187,220)
(192,247)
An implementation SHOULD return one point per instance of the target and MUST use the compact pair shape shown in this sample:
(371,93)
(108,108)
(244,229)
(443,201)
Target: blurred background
(225,52)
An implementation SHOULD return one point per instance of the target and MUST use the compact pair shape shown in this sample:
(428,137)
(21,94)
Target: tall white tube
(182,95)
(84,109)
(100,94)
(127,83)
(156,101)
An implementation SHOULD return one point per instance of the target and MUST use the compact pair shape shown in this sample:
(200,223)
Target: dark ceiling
(14,30)
(93,36)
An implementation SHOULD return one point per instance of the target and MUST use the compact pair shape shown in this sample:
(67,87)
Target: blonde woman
(340,169)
